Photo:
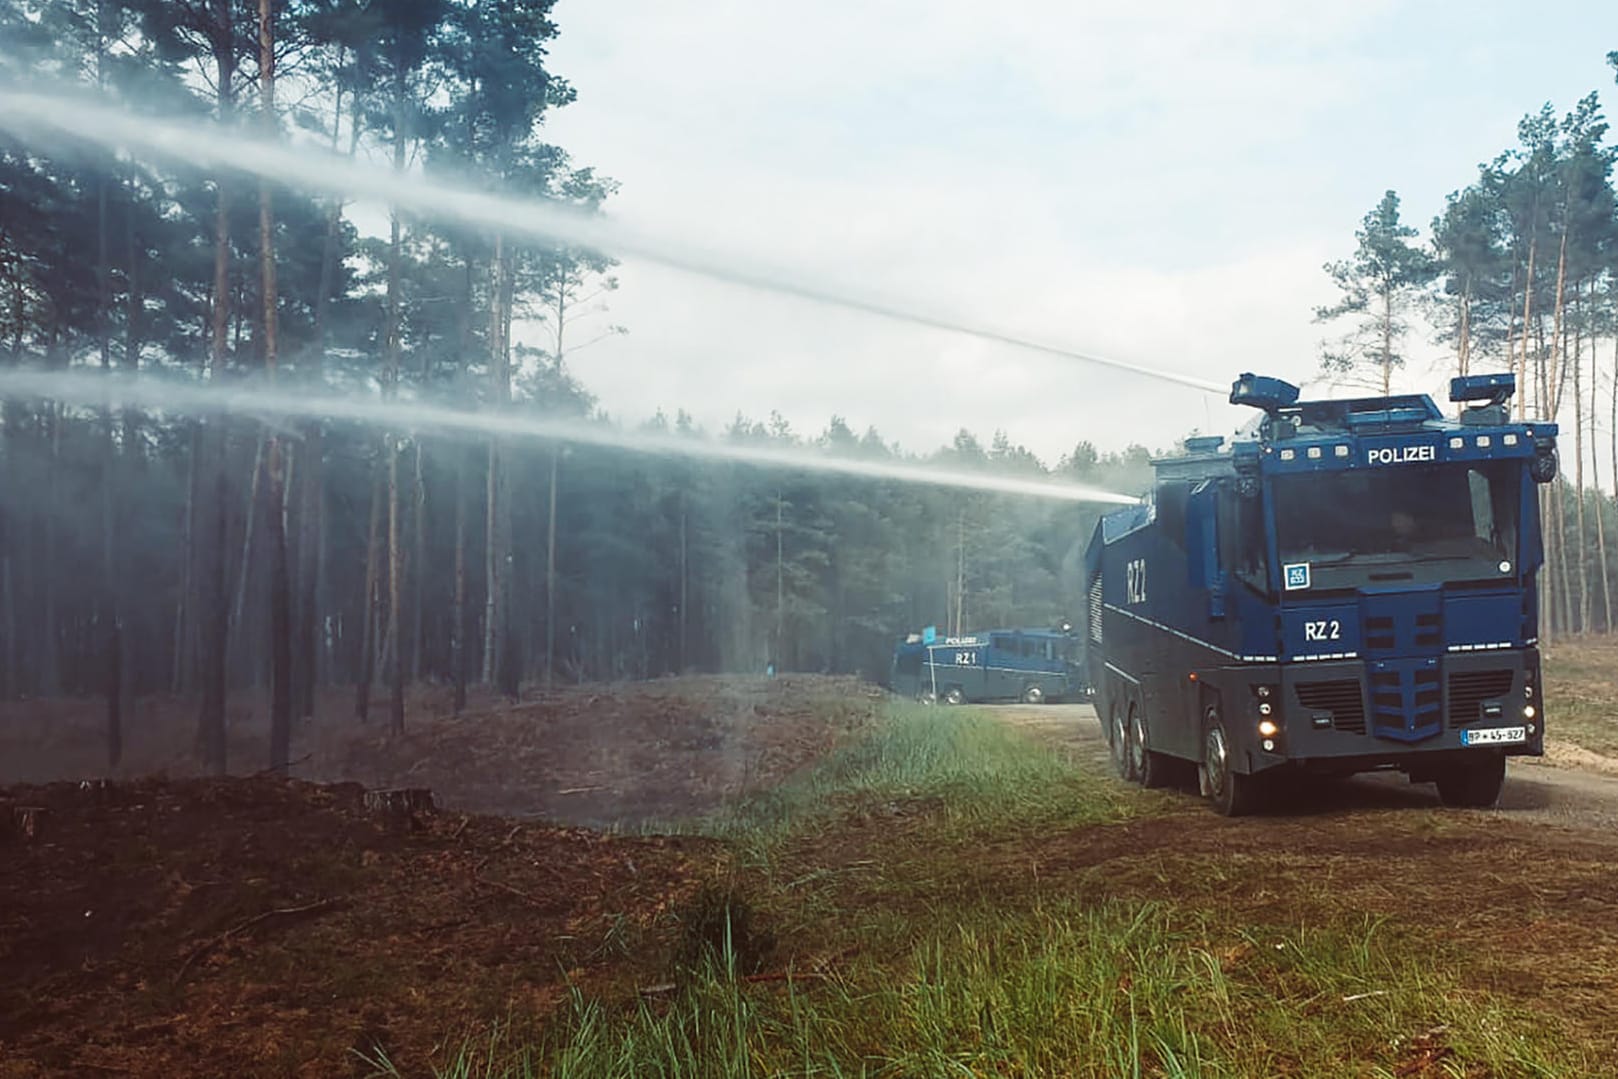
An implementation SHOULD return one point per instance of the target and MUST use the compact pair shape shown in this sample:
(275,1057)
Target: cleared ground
(883,890)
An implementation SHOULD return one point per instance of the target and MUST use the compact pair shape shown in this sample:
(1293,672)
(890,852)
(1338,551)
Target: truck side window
(1482,506)
(1241,538)
(1170,499)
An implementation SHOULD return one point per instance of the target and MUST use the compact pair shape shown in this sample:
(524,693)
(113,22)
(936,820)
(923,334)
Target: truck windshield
(1349,526)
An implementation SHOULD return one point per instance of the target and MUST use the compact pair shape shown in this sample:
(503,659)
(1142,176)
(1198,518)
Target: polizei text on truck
(1349,585)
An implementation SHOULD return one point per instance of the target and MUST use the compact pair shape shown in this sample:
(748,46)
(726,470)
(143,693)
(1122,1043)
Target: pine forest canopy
(142,553)
(1519,273)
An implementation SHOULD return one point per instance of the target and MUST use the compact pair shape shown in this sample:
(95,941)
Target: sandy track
(1535,792)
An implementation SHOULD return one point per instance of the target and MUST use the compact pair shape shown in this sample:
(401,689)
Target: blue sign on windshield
(1297,575)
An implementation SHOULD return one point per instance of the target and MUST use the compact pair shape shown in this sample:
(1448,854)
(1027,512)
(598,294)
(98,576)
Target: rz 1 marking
(1331,630)
(966,659)
(1135,581)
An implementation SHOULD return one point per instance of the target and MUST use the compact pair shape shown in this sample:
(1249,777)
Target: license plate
(1490,736)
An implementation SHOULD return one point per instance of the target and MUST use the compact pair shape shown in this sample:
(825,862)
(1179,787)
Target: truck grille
(1341,697)
(1379,633)
(1387,699)
(1469,689)
(1095,608)
(1428,631)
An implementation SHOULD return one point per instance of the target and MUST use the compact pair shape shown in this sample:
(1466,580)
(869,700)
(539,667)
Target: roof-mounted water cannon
(1496,388)
(1261,391)
(1493,390)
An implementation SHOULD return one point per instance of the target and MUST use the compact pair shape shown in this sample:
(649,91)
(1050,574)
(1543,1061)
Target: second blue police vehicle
(1031,665)
(1349,585)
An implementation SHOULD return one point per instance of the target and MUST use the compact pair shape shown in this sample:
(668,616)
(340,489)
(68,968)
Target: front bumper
(1353,715)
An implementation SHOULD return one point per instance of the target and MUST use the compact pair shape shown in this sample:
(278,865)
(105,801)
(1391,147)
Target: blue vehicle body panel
(1368,566)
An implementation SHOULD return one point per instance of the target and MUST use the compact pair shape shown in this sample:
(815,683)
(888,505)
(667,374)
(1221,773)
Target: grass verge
(1581,694)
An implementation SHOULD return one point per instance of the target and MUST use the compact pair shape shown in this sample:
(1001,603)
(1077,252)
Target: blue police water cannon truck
(1350,585)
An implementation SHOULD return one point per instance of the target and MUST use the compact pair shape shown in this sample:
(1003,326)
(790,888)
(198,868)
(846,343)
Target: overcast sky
(1157,183)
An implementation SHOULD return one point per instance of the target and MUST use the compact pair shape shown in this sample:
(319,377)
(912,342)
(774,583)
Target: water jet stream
(264,401)
(314,169)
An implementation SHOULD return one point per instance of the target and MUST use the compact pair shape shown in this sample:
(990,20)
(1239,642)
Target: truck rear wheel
(1230,791)
(1148,766)
(1118,743)
(954,695)
(1033,695)
(1473,783)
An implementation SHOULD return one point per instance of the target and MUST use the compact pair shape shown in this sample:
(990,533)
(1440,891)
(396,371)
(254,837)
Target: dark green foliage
(1377,283)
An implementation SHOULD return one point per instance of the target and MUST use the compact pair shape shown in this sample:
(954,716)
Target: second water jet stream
(264,401)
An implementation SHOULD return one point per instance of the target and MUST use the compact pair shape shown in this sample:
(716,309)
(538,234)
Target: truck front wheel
(1230,791)
(1473,783)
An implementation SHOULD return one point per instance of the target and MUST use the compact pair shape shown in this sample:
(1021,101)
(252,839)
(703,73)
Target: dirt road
(1535,792)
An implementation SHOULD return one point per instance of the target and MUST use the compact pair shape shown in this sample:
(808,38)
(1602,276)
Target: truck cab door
(1202,547)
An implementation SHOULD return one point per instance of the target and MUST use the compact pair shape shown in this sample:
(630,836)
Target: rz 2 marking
(1327,630)
(1135,581)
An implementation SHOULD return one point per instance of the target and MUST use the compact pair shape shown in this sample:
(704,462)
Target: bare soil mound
(593,754)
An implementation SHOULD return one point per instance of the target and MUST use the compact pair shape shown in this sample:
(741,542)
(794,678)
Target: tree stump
(26,822)
(401,808)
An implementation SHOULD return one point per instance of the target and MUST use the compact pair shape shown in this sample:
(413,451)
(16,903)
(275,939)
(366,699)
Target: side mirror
(1543,468)
(1202,546)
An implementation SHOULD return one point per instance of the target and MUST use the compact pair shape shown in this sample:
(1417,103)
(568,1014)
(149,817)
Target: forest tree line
(1518,273)
(145,553)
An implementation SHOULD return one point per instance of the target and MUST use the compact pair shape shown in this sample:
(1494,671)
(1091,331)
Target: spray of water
(266,402)
(312,169)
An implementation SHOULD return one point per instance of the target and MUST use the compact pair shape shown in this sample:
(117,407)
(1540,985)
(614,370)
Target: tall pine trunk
(1596,495)
(1521,361)
(418,566)
(550,568)
(213,606)
(369,602)
(110,610)
(393,652)
(275,489)
(457,642)
(685,579)
(1581,549)
(497,657)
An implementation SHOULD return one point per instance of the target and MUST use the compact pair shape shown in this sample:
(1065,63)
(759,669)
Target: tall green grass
(1110,991)
(970,766)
